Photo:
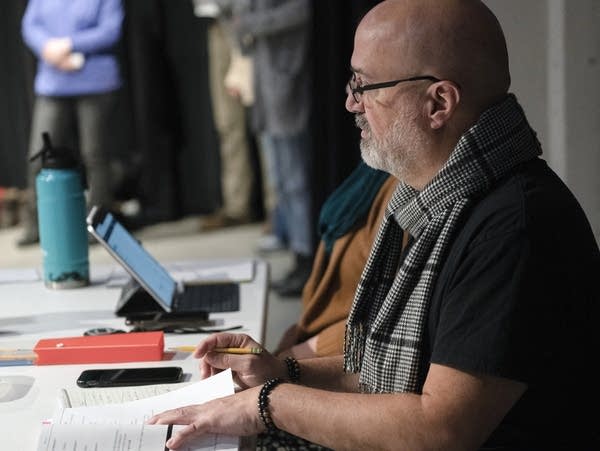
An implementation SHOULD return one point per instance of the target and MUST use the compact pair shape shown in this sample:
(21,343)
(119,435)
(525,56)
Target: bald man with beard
(478,333)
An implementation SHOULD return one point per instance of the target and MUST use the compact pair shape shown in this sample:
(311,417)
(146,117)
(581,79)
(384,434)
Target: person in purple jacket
(76,87)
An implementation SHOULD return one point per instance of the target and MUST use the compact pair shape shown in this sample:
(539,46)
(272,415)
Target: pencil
(184,348)
(17,354)
(238,350)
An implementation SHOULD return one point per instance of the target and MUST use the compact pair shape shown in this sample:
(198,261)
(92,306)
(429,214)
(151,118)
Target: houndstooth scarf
(386,324)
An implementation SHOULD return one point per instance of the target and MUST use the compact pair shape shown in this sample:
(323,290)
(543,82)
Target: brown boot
(220,220)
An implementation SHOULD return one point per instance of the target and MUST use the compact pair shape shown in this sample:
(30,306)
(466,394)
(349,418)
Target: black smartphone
(120,377)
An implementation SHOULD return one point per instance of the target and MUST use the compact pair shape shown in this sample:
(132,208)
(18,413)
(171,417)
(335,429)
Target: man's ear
(443,99)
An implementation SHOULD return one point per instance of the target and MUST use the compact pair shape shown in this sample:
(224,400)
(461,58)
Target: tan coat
(329,292)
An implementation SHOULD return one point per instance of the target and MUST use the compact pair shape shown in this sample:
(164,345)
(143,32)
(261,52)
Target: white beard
(396,151)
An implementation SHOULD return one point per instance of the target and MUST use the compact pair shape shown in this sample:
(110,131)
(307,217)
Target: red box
(127,347)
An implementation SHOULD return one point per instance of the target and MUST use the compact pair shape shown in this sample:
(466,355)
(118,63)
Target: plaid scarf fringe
(386,259)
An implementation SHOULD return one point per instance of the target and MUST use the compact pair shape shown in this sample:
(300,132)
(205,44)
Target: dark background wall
(16,83)
(335,137)
(166,144)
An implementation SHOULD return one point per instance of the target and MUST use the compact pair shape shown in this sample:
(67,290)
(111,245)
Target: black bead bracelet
(293,369)
(263,403)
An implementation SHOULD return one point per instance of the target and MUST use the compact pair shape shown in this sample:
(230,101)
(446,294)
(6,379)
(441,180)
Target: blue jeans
(288,162)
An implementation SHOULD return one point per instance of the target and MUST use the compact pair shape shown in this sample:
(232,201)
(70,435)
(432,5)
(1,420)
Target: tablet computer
(172,296)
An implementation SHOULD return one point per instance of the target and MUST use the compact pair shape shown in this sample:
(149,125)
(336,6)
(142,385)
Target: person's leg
(292,157)
(53,115)
(230,122)
(275,237)
(279,224)
(94,114)
(267,162)
(292,161)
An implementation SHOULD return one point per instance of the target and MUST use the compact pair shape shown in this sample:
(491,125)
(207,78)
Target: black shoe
(293,286)
(28,238)
(293,283)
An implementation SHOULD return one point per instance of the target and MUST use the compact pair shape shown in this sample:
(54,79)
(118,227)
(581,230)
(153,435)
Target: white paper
(19,275)
(120,438)
(136,413)
(80,397)
(191,271)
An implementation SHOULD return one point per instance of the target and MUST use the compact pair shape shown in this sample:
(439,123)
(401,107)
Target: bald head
(458,40)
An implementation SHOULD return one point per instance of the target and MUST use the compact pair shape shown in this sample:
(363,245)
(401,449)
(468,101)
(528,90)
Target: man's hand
(249,370)
(232,415)
(56,50)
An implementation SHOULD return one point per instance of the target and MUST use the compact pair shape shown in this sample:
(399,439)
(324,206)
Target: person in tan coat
(329,291)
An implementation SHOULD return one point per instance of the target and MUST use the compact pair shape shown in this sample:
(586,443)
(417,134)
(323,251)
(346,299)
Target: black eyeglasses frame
(357,91)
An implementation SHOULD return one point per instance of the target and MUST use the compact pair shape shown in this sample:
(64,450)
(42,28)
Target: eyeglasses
(358,90)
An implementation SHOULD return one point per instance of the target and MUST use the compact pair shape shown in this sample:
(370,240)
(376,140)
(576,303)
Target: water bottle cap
(56,157)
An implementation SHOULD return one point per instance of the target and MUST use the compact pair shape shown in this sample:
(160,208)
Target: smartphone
(120,377)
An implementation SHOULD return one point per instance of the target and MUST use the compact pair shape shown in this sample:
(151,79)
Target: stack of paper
(122,426)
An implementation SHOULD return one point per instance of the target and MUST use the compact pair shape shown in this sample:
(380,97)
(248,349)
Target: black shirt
(518,298)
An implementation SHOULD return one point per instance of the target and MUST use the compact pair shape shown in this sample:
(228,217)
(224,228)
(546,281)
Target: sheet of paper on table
(185,271)
(18,275)
(100,427)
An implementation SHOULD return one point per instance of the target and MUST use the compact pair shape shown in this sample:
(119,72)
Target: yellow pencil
(17,354)
(184,348)
(238,350)
(222,350)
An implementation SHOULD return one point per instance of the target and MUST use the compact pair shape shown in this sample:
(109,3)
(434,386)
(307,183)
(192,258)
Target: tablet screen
(140,264)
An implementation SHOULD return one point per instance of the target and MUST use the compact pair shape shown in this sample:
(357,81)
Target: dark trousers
(81,123)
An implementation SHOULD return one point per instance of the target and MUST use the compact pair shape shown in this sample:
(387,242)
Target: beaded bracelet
(293,369)
(263,403)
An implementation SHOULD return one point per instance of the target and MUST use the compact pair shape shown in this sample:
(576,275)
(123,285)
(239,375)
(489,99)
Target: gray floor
(179,241)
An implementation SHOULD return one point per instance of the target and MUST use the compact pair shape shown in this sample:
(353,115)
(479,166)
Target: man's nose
(351,104)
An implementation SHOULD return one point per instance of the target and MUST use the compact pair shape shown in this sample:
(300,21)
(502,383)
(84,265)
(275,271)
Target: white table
(29,312)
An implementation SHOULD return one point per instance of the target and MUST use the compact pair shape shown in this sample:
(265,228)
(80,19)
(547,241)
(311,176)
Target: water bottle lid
(56,157)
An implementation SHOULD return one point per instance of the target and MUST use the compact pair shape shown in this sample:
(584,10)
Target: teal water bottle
(61,206)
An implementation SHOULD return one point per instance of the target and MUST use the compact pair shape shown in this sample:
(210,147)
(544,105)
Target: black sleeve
(496,315)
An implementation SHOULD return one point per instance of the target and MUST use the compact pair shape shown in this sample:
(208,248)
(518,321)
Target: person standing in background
(230,119)
(76,87)
(277,33)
